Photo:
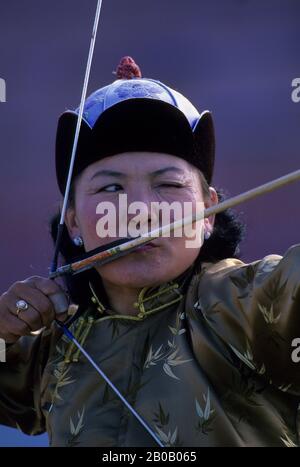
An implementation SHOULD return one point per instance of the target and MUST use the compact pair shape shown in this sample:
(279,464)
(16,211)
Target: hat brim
(139,124)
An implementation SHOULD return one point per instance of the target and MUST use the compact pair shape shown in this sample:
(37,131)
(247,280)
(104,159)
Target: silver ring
(21,306)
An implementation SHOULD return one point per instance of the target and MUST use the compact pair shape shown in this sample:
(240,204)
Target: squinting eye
(111,188)
(172,185)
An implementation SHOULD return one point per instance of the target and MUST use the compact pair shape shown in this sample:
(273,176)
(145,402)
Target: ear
(72,223)
(212,201)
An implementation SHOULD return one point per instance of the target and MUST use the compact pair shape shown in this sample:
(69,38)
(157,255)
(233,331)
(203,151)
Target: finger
(11,338)
(63,317)
(37,300)
(46,286)
(13,328)
(60,303)
(30,316)
(55,293)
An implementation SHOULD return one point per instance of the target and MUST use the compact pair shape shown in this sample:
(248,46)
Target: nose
(141,215)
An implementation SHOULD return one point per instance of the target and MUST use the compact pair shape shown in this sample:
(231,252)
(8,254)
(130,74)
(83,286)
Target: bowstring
(76,138)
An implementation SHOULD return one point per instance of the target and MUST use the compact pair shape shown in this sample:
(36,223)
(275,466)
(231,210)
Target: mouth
(144,248)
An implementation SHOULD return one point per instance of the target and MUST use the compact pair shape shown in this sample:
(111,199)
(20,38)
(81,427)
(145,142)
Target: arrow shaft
(117,251)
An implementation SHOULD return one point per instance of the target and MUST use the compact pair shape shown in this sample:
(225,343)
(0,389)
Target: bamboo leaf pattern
(242,387)
(173,330)
(287,441)
(193,312)
(178,330)
(172,345)
(268,314)
(153,357)
(214,308)
(207,407)
(284,387)
(246,357)
(76,428)
(62,380)
(262,369)
(168,439)
(169,371)
(174,360)
(61,351)
(173,437)
(274,290)
(162,418)
(205,415)
(169,356)
(60,354)
(72,427)
(199,409)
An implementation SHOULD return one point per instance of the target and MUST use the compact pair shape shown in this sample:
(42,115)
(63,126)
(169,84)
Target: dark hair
(228,232)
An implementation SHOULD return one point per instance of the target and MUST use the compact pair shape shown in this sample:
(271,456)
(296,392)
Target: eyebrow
(109,173)
(167,169)
(116,174)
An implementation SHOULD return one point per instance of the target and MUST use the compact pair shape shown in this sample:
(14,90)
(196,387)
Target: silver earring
(78,241)
(207,234)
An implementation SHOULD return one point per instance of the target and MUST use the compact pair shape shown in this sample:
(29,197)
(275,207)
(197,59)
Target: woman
(197,341)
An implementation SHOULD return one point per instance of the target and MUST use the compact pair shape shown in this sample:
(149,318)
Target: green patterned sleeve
(20,383)
(255,310)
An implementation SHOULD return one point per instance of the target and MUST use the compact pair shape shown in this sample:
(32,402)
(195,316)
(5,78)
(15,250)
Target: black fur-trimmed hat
(135,114)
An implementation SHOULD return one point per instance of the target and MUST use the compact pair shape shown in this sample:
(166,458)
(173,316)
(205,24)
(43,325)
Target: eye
(172,185)
(112,188)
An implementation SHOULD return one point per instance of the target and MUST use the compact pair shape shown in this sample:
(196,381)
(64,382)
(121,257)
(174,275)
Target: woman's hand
(46,301)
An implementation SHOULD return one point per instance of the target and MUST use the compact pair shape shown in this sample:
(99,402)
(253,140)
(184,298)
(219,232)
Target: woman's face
(147,178)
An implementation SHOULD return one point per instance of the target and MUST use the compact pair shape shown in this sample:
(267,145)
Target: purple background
(234,57)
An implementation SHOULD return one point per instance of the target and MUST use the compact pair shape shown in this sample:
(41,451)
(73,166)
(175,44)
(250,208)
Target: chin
(138,271)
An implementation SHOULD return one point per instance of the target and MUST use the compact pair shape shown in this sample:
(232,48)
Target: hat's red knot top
(128,69)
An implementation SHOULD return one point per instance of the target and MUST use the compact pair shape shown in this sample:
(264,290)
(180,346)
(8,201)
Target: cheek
(182,249)
(87,217)
(184,195)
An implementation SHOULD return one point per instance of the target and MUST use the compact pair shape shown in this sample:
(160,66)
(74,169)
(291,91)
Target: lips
(148,247)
